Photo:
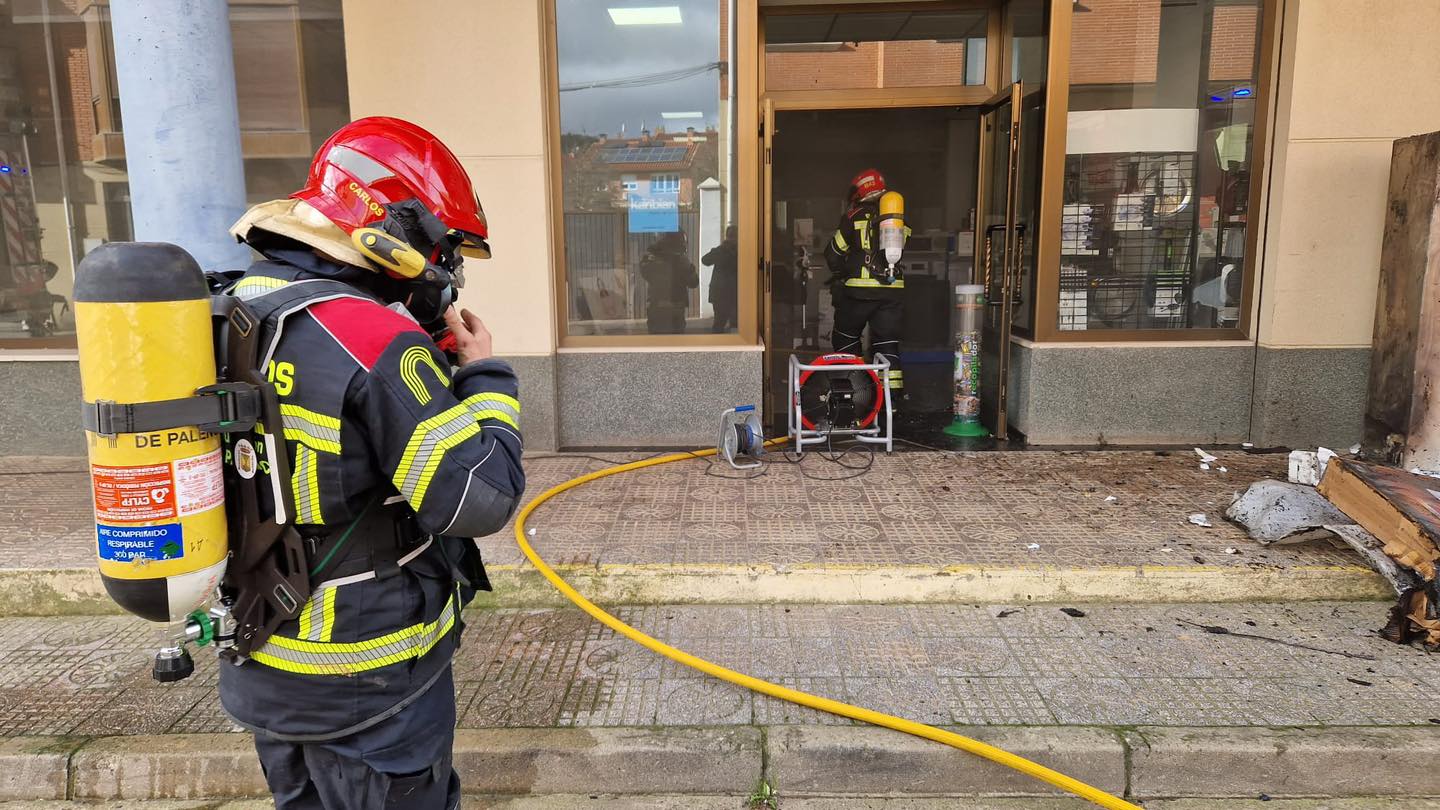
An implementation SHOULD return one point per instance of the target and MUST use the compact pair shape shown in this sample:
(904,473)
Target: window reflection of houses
(604,250)
(601,172)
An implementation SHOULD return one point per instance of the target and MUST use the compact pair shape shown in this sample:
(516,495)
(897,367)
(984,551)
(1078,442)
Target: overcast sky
(593,48)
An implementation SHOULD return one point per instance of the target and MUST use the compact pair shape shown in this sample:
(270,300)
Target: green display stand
(969,312)
(966,429)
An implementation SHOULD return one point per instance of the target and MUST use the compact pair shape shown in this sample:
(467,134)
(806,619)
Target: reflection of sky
(592,48)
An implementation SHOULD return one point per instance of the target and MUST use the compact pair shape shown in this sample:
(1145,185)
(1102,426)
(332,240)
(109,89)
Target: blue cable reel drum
(741,441)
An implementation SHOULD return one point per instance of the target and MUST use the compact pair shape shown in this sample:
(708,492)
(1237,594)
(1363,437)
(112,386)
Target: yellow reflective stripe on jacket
(840,244)
(427,447)
(436,435)
(314,430)
(410,363)
(346,658)
(897,284)
(305,485)
(862,230)
(317,619)
(495,406)
(256,286)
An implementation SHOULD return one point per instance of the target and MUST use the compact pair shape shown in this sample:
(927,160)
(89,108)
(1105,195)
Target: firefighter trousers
(402,762)
(885,316)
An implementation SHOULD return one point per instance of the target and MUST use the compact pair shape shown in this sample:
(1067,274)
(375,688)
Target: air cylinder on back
(143,328)
(892,226)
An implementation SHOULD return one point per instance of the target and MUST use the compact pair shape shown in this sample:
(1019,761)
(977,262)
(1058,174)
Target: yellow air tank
(892,226)
(143,327)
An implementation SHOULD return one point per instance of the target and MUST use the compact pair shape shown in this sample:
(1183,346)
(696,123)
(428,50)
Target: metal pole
(176,72)
(62,157)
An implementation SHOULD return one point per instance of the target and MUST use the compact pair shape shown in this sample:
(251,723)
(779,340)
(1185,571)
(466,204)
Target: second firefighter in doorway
(866,284)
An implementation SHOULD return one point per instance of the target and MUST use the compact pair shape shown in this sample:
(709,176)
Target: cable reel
(742,440)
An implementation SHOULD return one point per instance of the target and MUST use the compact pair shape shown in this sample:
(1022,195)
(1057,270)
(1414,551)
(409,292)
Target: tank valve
(173,662)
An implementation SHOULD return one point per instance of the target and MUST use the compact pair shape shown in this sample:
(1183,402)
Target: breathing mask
(419,258)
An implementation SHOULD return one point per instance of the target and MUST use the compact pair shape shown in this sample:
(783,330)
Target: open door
(1000,235)
(767,250)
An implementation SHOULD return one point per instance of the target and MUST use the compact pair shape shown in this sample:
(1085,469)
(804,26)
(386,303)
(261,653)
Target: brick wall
(924,63)
(1116,42)
(850,67)
(919,63)
(1233,42)
(74,76)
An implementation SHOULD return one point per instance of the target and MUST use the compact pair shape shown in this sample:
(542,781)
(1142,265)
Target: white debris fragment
(1204,466)
(1199,519)
(530,532)
(1205,457)
(1308,467)
(1111,499)
(1166,548)
(1033,546)
(1222,469)
(1232,550)
(1355,449)
(1247,444)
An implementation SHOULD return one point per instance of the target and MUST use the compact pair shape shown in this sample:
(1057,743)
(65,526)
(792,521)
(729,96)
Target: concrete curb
(490,761)
(1290,762)
(800,761)
(731,801)
(75,592)
(867,761)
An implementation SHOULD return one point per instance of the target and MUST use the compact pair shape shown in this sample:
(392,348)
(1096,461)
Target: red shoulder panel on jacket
(363,328)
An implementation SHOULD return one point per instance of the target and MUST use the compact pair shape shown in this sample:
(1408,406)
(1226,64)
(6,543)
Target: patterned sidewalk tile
(1027,508)
(962,664)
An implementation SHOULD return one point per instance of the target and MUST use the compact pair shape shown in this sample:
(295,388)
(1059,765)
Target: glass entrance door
(1000,234)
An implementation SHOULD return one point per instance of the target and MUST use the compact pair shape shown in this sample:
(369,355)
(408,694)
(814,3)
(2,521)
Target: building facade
(1177,206)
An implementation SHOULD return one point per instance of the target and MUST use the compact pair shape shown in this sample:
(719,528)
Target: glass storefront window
(647,157)
(63,184)
(1158,166)
(874,50)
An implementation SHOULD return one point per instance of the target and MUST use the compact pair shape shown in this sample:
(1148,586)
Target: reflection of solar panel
(643,154)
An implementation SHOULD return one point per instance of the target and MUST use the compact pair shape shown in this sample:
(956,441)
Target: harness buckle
(103,415)
(238,406)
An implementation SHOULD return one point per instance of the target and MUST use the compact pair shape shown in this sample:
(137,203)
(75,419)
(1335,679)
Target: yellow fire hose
(949,738)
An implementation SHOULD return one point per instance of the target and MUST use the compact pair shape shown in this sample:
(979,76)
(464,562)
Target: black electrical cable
(830,454)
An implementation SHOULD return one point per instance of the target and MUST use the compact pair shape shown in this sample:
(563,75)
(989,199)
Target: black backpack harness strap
(385,536)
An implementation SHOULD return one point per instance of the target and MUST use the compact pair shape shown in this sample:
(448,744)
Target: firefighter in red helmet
(399,460)
(864,289)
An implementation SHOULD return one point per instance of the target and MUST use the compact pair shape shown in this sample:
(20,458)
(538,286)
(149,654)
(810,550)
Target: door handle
(986,264)
(990,299)
(1016,266)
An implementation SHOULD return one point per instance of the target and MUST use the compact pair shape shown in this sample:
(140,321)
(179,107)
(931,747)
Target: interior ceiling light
(674,115)
(646,15)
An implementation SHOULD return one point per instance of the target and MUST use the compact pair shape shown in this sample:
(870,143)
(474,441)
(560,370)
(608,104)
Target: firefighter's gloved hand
(472,339)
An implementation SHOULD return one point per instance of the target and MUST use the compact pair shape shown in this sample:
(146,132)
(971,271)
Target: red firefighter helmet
(370,163)
(867,185)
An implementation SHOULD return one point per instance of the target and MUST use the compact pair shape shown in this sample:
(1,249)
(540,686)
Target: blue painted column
(182,127)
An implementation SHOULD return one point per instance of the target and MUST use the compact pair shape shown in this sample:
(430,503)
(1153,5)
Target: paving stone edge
(800,761)
(78,592)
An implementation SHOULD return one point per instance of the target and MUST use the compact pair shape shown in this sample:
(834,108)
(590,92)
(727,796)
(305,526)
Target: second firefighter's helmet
(866,187)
